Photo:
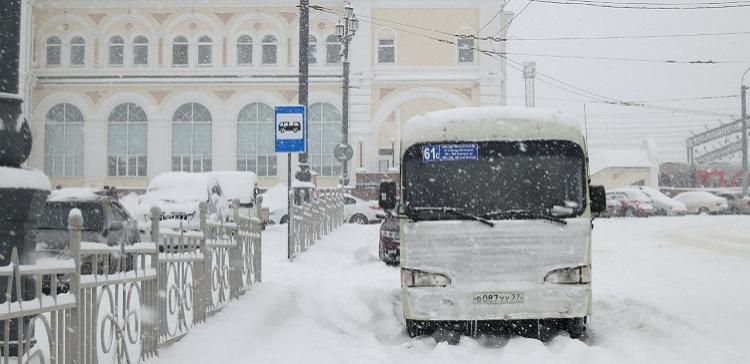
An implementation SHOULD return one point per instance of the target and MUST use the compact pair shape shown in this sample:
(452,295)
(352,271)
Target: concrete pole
(345,105)
(743,92)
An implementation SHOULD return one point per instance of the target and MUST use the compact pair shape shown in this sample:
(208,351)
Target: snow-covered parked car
(665,206)
(178,195)
(701,202)
(634,203)
(275,200)
(359,211)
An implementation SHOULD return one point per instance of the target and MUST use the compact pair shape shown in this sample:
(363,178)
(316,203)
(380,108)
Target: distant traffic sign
(343,152)
(289,129)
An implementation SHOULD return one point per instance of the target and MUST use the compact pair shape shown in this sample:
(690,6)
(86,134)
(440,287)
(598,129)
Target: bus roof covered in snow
(488,124)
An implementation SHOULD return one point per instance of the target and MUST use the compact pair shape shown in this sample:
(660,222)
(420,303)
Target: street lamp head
(393,140)
(354,24)
(339,29)
(348,10)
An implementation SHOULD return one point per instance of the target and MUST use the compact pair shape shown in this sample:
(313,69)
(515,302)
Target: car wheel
(284,219)
(703,211)
(358,219)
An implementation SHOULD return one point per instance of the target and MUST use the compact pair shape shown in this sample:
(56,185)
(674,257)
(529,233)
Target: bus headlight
(418,278)
(569,275)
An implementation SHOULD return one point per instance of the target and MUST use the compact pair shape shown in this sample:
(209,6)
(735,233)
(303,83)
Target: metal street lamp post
(743,91)
(345,30)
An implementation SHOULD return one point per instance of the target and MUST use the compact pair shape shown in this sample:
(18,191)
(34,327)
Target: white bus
(495,223)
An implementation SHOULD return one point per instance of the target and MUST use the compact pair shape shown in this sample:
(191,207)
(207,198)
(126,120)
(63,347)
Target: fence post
(156,329)
(155,221)
(258,246)
(75,222)
(236,260)
(204,281)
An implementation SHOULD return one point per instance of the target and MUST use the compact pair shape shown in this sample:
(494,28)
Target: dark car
(105,221)
(390,244)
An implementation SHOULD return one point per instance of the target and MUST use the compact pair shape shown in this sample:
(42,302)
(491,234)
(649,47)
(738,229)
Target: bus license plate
(498,298)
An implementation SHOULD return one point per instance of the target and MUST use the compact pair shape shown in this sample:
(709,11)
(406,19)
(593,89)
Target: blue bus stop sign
(289,129)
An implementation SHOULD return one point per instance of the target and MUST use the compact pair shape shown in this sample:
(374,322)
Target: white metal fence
(118,304)
(312,220)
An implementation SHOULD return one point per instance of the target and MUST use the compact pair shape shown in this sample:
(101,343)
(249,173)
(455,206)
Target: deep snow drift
(666,290)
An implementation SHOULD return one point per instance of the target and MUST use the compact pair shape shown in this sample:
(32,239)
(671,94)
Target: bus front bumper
(542,301)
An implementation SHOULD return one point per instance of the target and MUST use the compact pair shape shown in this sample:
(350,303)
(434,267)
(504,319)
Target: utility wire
(647,6)
(622,37)
(505,3)
(510,22)
(642,60)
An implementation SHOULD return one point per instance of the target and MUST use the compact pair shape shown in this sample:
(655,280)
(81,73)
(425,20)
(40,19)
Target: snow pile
(73,194)
(22,178)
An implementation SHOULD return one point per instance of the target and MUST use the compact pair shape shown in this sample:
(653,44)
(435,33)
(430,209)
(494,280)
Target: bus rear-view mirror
(598,199)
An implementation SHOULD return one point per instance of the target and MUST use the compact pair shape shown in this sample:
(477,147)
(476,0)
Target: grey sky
(634,80)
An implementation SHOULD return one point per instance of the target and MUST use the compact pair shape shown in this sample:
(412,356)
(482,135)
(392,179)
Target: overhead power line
(542,77)
(649,6)
(617,37)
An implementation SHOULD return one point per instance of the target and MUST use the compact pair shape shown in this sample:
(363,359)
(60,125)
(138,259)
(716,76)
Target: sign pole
(290,128)
(289,206)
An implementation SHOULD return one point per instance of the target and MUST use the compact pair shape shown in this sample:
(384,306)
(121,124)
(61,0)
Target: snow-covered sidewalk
(666,290)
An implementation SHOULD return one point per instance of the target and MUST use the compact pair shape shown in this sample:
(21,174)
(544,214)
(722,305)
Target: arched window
(324,135)
(127,141)
(465,50)
(180,51)
(269,49)
(191,138)
(205,50)
(63,141)
(116,50)
(312,49)
(386,47)
(140,50)
(255,149)
(77,51)
(245,50)
(333,49)
(53,51)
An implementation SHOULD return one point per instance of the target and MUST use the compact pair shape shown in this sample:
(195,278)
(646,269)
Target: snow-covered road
(666,290)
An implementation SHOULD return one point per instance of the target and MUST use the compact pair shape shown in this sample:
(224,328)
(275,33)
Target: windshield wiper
(455,211)
(516,214)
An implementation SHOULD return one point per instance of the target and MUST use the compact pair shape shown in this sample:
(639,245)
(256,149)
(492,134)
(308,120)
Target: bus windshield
(496,179)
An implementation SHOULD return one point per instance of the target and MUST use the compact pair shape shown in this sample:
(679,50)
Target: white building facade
(121,91)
